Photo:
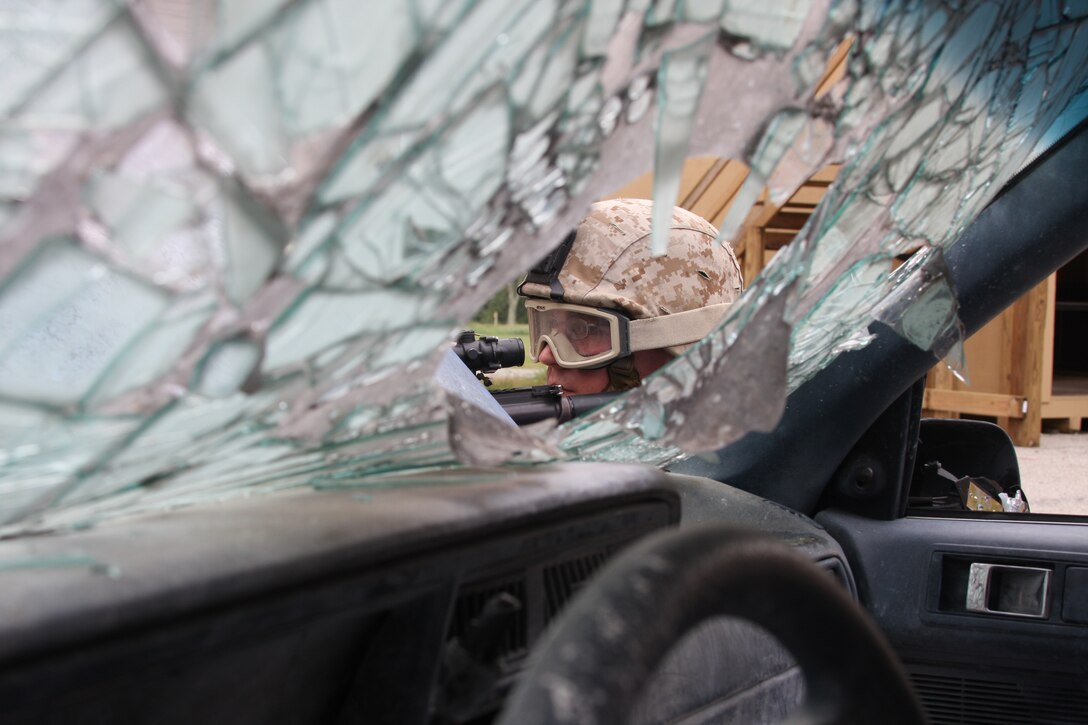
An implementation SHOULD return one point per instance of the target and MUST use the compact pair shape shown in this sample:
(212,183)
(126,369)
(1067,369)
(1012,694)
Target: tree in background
(505,306)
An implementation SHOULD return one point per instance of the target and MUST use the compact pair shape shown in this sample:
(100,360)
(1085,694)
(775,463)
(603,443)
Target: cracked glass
(236,239)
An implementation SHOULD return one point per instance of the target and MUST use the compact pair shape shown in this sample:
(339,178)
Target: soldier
(604,312)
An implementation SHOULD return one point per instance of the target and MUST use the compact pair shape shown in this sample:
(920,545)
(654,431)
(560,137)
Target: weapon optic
(524,405)
(488,354)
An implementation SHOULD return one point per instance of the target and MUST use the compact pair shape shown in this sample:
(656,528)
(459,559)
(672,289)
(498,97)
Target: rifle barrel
(543,402)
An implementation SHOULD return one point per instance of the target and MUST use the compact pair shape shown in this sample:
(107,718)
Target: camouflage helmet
(607,263)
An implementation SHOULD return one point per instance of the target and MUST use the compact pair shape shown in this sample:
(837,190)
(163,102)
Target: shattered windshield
(236,237)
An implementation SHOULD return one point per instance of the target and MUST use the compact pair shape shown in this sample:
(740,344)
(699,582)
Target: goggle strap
(679,328)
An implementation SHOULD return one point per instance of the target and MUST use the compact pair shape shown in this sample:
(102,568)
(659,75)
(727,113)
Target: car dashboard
(415,599)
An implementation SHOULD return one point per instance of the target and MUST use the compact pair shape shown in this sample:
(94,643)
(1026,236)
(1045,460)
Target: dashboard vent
(951,700)
(471,602)
(561,580)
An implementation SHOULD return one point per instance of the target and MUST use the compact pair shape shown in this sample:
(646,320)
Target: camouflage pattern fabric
(610,264)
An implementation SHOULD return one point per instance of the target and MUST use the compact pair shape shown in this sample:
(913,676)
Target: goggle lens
(588,336)
(578,338)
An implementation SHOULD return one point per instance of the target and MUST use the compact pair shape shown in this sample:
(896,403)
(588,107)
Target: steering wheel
(598,657)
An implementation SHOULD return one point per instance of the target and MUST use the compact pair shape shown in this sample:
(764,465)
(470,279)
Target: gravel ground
(1055,475)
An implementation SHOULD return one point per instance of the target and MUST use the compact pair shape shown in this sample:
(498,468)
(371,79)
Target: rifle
(524,405)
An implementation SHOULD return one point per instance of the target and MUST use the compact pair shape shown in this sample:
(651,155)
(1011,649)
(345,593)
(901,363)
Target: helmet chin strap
(622,375)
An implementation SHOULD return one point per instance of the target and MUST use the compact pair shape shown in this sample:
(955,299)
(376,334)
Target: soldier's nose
(546,357)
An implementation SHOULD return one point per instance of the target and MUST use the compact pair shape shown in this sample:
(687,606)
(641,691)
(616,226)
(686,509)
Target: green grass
(490,330)
(504,331)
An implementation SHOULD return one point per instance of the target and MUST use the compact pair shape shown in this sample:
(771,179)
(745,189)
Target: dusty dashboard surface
(312,606)
(416,601)
(234,237)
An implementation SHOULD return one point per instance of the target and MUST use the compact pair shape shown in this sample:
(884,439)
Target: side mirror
(965,465)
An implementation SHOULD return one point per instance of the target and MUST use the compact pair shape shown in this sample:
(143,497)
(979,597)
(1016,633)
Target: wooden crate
(769,228)
(708,187)
(1015,375)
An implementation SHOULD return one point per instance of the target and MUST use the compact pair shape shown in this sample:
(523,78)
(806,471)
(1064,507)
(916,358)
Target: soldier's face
(574,381)
(581,381)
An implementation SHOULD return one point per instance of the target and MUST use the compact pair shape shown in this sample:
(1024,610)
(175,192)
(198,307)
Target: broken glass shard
(774,26)
(234,238)
(680,86)
(122,86)
(64,318)
(227,367)
(922,305)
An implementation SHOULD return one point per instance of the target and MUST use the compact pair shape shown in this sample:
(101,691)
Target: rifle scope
(488,354)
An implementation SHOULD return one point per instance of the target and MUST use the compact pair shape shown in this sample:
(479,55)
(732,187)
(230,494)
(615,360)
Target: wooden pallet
(1011,365)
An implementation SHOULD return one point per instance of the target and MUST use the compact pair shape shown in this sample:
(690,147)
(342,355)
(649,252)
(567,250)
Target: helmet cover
(609,264)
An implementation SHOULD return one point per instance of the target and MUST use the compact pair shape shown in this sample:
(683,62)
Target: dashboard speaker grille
(563,579)
(949,700)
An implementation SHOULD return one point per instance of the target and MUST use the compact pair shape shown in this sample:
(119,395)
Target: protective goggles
(590,337)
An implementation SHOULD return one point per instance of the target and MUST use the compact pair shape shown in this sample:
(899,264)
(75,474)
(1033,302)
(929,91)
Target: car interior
(730,588)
